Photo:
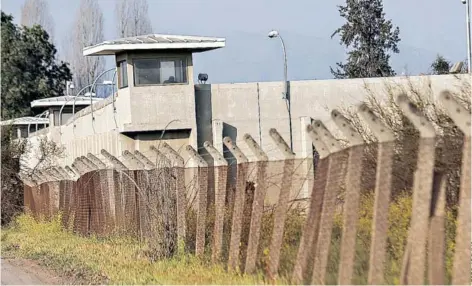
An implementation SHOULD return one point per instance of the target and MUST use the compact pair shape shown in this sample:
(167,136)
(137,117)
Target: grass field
(107,261)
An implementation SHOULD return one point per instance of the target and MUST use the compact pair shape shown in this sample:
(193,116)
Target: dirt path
(26,272)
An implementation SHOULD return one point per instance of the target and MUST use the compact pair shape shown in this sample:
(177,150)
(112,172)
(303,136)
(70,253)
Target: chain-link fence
(253,216)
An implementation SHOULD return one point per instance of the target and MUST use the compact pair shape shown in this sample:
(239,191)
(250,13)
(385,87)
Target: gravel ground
(26,272)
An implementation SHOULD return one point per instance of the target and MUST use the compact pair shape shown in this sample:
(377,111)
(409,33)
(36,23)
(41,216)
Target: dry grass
(108,261)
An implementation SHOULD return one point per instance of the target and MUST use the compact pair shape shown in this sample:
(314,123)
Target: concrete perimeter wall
(236,109)
(254,108)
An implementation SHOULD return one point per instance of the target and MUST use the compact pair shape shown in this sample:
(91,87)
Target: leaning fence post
(178,170)
(336,174)
(383,183)
(236,225)
(131,160)
(282,204)
(117,164)
(96,161)
(310,229)
(221,173)
(73,172)
(91,165)
(139,200)
(56,173)
(258,203)
(437,232)
(422,186)
(64,173)
(148,164)
(81,166)
(353,191)
(202,182)
(462,259)
(115,179)
(106,194)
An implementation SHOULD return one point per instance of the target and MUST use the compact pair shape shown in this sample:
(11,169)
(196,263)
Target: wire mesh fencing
(253,216)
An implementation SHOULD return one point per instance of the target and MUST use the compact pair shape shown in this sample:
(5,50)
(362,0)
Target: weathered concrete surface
(26,272)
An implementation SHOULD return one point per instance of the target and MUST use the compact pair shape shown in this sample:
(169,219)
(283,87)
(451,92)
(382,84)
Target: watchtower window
(162,71)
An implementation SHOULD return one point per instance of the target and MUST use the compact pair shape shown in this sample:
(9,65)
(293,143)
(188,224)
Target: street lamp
(467,19)
(275,34)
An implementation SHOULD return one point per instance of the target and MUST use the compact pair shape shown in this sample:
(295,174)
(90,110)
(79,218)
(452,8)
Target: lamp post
(275,34)
(467,19)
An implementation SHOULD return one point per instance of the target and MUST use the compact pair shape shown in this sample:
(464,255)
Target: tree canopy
(29,68)
(369,37)
(440,65)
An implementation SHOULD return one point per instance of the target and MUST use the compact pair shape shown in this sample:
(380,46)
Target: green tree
(369,39)
(440,65)
(29,68)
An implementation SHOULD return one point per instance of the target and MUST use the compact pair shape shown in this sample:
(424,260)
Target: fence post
(140,188)
(258,203)
(437,232)
(96,161)
(80,166)
(106,200)
(221,173)
(64,173)
(115,180)
(282,204)
(422,186)
(160,155)
(310,228)
(74,173)
(117,164)
(236,225)
(148,164)
(383,184)
(202,182)
(179,174)
(87,162)
(353,190)
(47,177)
(131,161)
(335,177)
(462,259)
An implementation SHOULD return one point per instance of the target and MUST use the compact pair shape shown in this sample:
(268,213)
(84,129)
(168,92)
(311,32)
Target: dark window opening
(160,71)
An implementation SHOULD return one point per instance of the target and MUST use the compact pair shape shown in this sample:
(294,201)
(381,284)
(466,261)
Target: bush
(449,141)
(12,186)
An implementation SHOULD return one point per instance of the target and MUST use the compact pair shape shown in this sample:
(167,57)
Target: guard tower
(155,87)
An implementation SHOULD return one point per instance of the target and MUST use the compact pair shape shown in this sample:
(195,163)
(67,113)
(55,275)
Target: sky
(427,28)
